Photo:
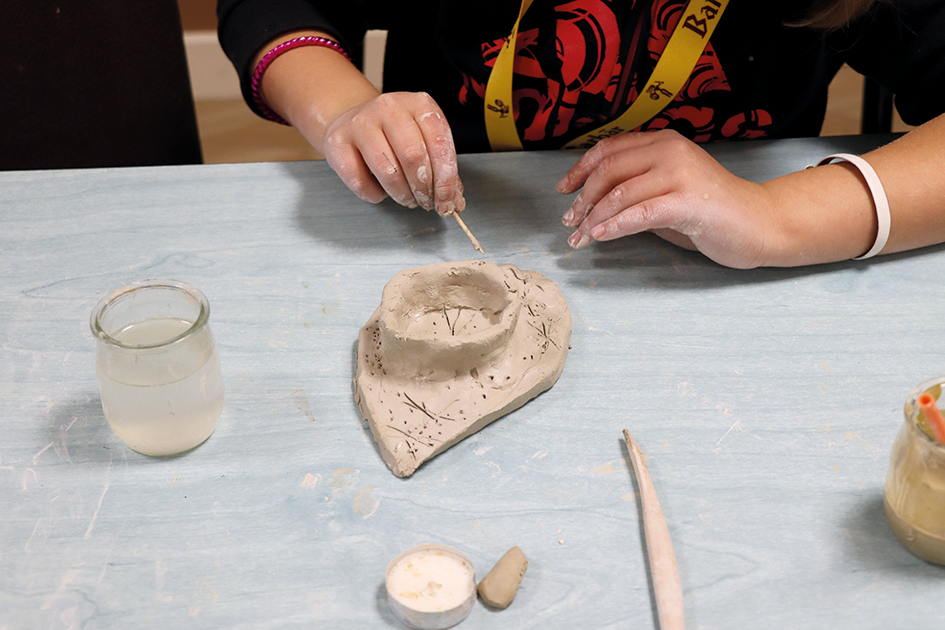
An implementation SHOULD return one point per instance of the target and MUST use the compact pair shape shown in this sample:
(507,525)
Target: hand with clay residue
(663,183)
(397,145)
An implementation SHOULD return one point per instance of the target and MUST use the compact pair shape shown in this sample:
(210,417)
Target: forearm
(826,214)
(311,86)
(913,173)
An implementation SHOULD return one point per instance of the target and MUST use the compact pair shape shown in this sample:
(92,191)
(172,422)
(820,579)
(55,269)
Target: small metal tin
(413,607)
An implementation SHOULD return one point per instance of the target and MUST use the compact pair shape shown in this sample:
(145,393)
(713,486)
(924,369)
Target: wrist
(311,86)
(274,51)
(821,215)
(877,194)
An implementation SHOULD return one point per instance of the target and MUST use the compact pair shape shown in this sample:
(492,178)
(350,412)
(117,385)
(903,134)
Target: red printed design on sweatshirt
(580,85)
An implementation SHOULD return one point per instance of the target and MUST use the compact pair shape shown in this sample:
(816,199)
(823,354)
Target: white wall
(214,79)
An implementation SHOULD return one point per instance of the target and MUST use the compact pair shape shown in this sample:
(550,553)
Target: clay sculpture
(452,347)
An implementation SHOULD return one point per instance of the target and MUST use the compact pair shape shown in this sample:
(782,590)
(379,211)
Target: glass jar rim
(912,410)
(203,316)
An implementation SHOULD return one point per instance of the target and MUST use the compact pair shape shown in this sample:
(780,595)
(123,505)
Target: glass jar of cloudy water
(158,366)
(915,482)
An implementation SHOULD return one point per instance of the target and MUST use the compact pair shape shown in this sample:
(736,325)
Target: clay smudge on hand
(424,197)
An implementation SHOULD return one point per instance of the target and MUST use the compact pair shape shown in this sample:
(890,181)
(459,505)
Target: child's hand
(397,144)
(661,182)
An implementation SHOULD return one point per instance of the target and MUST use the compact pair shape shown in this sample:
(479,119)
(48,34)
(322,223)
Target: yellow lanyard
(675,64)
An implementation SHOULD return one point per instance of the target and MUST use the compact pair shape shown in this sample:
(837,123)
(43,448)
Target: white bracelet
(878,195)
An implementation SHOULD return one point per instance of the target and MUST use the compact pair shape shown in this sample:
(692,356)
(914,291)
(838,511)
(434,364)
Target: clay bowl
(443,320)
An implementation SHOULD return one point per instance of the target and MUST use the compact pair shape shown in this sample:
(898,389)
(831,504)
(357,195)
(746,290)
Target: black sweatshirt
(580,65)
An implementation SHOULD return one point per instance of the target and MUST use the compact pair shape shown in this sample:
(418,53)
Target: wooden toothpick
(659,547)
(472,239)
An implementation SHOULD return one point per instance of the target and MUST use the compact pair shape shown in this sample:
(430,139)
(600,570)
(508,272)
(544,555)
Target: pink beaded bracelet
(272,55)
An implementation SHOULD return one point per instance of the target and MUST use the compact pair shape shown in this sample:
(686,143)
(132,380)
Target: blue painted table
(766,401)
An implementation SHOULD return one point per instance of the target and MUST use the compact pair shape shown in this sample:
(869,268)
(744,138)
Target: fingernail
(445,208)
(568,217)
(562,188)
(578,240)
